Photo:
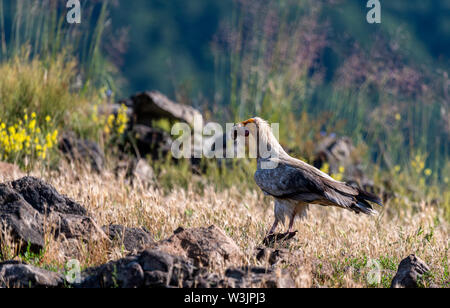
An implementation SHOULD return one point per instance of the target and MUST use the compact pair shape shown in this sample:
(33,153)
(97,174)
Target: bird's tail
(362,204)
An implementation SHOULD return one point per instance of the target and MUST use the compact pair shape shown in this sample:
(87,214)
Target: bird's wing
(285,181)
(296,180)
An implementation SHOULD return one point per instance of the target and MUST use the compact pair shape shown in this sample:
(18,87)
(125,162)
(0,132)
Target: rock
(143,172)
(251,277)
(154,268)
(20,275)
(340,153)
(82,150)
(205,246)
(132,239)
(278,256)
(44,198)
(29,207)
(124,273)
(150,269)
(9,172)
(149,106)
(149,141)
(278,239)
(409,272)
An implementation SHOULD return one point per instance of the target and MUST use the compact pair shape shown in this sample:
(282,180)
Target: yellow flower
(398,117)
(397,168)
(428,172)
(325,168)
(338,177)
(32,125)
(341,169)
(48,119)
(33,115)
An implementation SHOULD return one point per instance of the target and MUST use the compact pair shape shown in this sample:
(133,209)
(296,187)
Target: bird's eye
(247,133)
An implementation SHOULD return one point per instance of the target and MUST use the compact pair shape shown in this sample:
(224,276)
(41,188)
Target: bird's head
(248,128)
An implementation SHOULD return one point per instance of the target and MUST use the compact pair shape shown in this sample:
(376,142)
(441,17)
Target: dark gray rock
(44,198)
(29,205)
(151,141)
(340,152)
(125,273)
(150,269)
(409,272)
(82,151)
(205,246)
(251,277)
(157,269)
(273,256)
(165,270)
(19,275)
(132,239)
(149,106)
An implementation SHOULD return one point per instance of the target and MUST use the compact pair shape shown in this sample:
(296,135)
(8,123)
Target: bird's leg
(274,227)
(291,233)
(291,224)
(271,237)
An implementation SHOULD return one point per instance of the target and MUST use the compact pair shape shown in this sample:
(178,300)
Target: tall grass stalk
(41,26)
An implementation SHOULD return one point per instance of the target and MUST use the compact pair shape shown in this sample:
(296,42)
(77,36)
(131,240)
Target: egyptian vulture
(293,183)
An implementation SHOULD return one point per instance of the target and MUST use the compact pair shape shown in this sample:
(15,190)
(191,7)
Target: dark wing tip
(370,197)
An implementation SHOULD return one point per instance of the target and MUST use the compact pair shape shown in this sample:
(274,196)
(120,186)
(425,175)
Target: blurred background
(317,67)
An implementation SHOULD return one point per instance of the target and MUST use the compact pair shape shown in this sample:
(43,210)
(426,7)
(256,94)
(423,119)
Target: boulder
(29,207)
(409,272)
(205,246)
(258,277)
(132,239)
(20,275)
(150,106)
(155,268)
(340,152)
(82,150)
(336,152)
(151,268)
(149,141)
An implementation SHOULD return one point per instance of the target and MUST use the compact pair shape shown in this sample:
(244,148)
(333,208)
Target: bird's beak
(240,127)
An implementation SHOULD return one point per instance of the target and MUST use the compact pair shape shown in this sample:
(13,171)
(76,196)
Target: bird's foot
(274,238)
(290,235)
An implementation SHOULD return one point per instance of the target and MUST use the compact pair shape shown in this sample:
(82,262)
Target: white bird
(294,184)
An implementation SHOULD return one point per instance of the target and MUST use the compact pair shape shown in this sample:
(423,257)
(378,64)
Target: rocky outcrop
(132,239)
(29,208)
(155,268)
(409,272)
(20,275)
(151,141)
(339,153)
(205,246)
(184,260)
(151,268)
(82,151)
(150,106)
(248,277)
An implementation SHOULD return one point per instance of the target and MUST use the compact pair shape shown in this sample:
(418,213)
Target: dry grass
(335,245)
